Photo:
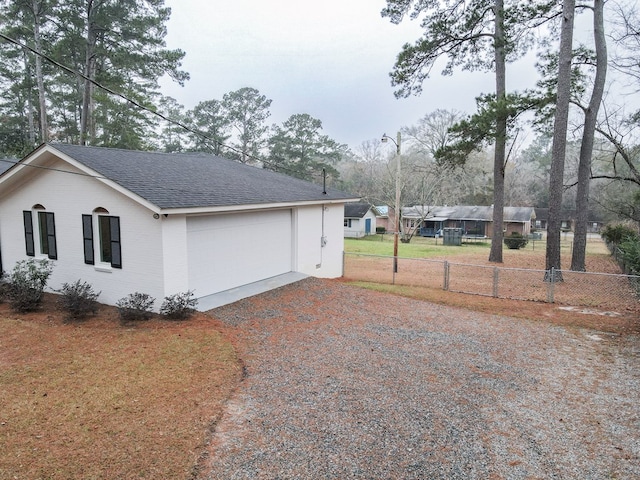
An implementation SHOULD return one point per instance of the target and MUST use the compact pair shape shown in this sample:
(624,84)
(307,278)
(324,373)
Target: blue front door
(367,226)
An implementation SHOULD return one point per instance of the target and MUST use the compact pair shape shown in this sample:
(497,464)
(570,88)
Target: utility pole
(397,206)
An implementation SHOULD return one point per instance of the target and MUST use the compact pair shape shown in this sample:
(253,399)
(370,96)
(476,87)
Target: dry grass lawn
(96,399)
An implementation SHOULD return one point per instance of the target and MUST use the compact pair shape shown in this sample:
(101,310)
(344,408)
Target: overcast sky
(329,59)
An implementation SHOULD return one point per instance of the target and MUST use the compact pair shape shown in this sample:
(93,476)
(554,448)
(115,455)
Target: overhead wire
(53,169)
(137,104)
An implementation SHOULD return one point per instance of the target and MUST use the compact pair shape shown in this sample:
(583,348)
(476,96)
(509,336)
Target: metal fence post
(551,285)
(495,281)
(445,286)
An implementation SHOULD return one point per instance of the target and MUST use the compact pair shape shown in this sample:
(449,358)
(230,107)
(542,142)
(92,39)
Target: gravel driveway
(346,383)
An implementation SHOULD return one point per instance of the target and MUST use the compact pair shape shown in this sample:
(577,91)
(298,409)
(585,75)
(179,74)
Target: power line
(53,169)
(143,107)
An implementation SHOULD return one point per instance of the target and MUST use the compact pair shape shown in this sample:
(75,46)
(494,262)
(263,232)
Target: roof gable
(356,209)
(193,180)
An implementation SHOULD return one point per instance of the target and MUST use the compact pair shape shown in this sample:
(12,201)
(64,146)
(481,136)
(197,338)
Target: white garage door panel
(226,251)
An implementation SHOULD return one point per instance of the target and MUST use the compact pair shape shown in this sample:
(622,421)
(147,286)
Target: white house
(159,223)
(359,220)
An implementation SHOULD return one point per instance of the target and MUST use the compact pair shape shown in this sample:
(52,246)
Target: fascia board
(248,207)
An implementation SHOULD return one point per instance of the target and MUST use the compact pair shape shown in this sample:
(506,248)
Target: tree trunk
(586,148)
(495,255)
(558,149)
(36,7)
(89,73)
(29,101)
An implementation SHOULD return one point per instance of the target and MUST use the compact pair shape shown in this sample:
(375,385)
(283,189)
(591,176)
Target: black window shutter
(116,252)
(87,235)
(28,233)
(51,236)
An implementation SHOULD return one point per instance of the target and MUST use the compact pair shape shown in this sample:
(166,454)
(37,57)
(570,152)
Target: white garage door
(226,251)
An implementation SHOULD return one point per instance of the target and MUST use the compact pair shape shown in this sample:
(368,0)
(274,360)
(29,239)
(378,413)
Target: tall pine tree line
(117,44)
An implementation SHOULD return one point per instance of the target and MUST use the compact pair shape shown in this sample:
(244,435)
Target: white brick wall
(155,251)
(70,196)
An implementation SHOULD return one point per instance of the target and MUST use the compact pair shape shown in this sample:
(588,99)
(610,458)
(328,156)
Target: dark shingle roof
(189,180)
(6,164)
(356,209)
(481,213)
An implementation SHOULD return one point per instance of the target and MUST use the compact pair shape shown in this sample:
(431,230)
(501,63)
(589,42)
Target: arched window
(108,238)
(44,241)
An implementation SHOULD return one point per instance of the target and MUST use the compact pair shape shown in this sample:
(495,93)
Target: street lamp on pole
(397,143)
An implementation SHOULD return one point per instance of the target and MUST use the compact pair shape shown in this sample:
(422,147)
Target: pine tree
(475,35)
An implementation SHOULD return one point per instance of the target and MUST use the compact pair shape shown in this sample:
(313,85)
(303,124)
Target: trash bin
(452,236)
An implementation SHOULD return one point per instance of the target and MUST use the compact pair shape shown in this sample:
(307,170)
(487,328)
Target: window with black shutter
(116,252)
(47,224)
(109,233)
(46,235)
(28,233)
(87,236)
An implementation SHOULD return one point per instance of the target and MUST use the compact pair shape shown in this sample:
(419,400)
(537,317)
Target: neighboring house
(475,221)
(158,223)
(382,217)
(567,220)
(359,220)
(386,218)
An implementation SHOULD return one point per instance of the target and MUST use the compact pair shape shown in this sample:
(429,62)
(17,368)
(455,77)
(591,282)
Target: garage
(229,250)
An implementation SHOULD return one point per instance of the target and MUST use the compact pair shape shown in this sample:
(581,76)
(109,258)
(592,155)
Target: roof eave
(248,207)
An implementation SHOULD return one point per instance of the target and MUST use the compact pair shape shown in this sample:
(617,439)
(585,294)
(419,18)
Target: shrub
(135,306)
(27,281)
(630,249)
(4,287)
(515,241)
(617,234)
(179,306)
(78,299)
(381,230)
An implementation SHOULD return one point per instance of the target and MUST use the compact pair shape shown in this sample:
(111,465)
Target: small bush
(630,249)
(78,299)
(4,287)
(179,306)
(515,241)
(617,234)
(135,306)
(381,230)
(27,282)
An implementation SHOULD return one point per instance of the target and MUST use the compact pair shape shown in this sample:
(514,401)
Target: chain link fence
(585,289)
